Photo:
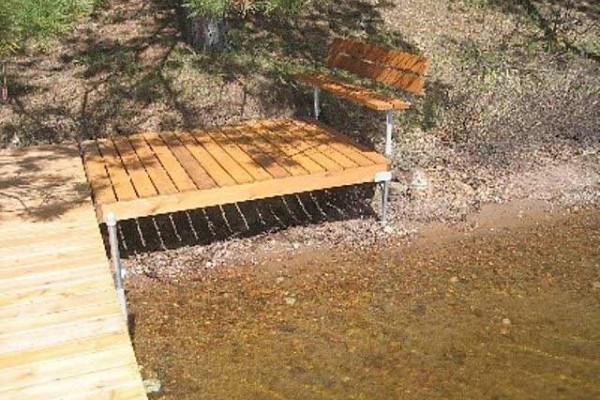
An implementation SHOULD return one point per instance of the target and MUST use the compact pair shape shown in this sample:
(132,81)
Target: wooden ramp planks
(171,172)
(62,334)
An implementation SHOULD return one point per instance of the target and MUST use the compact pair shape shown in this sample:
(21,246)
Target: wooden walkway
(62,334)
(153,174)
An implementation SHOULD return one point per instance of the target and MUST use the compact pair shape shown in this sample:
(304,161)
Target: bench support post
(383,179)
(317,105)
(115,257)
(389,130)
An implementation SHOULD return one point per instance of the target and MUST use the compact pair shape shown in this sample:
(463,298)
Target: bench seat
(359,94)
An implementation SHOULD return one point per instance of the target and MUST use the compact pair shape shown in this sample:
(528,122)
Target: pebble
(454,279)
(596,285)
(290,301)
(506,321)
(419,180)
(280,279)
(152,385)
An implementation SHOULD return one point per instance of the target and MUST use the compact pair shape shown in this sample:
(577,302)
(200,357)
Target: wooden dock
(155,173)
(62,334)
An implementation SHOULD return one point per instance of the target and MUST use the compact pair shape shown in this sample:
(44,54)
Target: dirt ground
(509,309)
(510,112)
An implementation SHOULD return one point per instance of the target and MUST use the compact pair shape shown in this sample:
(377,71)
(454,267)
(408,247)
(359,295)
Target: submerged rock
(152,385)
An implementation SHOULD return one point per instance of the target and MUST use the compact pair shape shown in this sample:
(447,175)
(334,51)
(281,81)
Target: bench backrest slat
(388,66)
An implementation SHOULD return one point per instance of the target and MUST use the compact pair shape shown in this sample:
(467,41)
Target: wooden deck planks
(62,334)
(135,169)
(211,165)
(263,146)
(289,149)
(180,177)
(191,166)
(97,174)
(282,132)
(151,163)
(237,163)
(118,174)
(251,160)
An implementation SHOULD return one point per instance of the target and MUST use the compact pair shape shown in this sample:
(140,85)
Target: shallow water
(513,314)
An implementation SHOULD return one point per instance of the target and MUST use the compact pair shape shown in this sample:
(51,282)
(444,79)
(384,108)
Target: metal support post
(383,179)
(113,240)
(317,96)
(389,130)
(385,194)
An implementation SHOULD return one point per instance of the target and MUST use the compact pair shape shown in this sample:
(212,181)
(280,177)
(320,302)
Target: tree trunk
(207,33)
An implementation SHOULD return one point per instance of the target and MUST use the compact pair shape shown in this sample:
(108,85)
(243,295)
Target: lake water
(505,314)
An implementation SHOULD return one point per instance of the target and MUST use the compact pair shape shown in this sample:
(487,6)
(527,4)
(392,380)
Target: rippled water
(509,315)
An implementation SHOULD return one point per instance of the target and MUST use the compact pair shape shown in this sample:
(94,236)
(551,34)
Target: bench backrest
(392,67)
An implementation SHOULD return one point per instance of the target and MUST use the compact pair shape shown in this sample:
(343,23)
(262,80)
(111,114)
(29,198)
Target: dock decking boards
(62,334)
(159,173)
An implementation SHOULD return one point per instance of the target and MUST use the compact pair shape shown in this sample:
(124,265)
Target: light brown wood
(238,164)
(135,169)
(315,138)
(261,157)
(62,328)
(248,163)
(180,177)
(152,165)
(371,154)
(390,67)
(191,166)
(118,175)
(97,174)
(262,145)
(359,94)
(278,156)
(64,350)
(274,136)
(357,156)
(319,152)
(378,55)
(381,73)
(210,165)
(240,193)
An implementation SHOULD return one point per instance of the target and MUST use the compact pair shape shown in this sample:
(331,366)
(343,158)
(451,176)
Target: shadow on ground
(213,224)
(128,70)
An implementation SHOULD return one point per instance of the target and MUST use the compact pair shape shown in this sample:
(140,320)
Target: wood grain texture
(249,161)
(62,334)
(388,66)
(378,55)
(359,94)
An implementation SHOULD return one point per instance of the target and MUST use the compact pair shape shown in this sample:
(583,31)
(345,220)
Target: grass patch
(25,22)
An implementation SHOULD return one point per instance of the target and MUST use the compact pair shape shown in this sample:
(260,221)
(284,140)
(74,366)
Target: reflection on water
(514,315)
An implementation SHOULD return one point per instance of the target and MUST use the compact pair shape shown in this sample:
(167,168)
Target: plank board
(180,177)
(249,161)
(378,55)
(157,173)
(62,334)
(139,177)
(385,65)
(359,94)
(116,170)
(191,166)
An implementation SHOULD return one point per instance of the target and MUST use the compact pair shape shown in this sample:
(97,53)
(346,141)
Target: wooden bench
(390,67)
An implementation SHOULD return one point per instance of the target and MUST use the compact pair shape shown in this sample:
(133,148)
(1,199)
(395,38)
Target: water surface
(510,314)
